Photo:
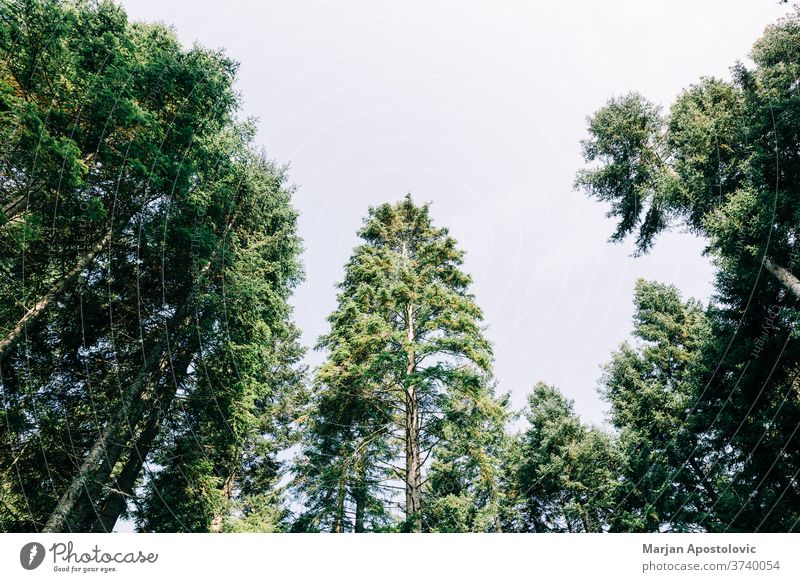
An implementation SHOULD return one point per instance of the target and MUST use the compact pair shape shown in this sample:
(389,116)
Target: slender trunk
(84,512)
(114,504)
(785,276)
(413,458)
(98,460)
(413,473)
(14,207)
(35,313)
(360,496)
(338,522)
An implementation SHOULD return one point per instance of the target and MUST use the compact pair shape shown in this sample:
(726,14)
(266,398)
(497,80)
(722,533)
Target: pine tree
(141,302)
(463,486)
(558,474)
(655,389)
(724,163)
(218,460)
(406,350)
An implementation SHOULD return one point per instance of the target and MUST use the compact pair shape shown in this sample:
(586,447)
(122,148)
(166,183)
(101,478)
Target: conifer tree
(558,475)
(723,162)
(463,489)
(406,349)
(148,252)
(655,391)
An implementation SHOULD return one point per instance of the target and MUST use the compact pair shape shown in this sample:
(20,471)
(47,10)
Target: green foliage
(406,376)
(160,249)
(723,163)
(150,367)
(463,493)
(559,475)
(654,389)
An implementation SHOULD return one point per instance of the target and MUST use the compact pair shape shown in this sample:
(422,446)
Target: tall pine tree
(408,368)
(558,474)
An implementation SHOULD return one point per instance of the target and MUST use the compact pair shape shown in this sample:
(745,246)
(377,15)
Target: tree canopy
(151,369)
(723,163)
(149,251)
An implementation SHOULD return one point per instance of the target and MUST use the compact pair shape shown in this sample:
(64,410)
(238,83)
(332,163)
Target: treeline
(150,368)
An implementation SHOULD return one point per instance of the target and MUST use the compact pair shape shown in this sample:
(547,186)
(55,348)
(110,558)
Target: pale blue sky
(477,107)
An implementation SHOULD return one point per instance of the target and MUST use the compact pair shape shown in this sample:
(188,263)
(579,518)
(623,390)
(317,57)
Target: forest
(151,371)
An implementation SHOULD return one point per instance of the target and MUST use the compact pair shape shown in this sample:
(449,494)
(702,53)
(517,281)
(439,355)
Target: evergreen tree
(559,475)
(135,214)
(724,163)
(407,361)
(463,493)
(244,386)
(654,388)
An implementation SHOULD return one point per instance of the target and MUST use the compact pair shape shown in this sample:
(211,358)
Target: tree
(406,349)
(344,468)
(463,487)
(559,475)
(219,456)
(138,200)
(655,390)
(724,163)
(98,120)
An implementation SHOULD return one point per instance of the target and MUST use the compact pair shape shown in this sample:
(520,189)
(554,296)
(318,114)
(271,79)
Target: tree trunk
(15,207)
(413,458)
(114,504)
(35,313)
(109,440)
(227,491)
(360,496)
(413,472)
(84,513)
(338,521)
(785,276)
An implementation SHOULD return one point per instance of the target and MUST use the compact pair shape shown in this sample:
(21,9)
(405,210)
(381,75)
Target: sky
(479,109)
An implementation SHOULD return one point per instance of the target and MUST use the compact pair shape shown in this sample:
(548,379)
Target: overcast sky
(477,107)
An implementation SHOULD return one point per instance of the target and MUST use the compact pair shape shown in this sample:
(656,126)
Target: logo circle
(31,555)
